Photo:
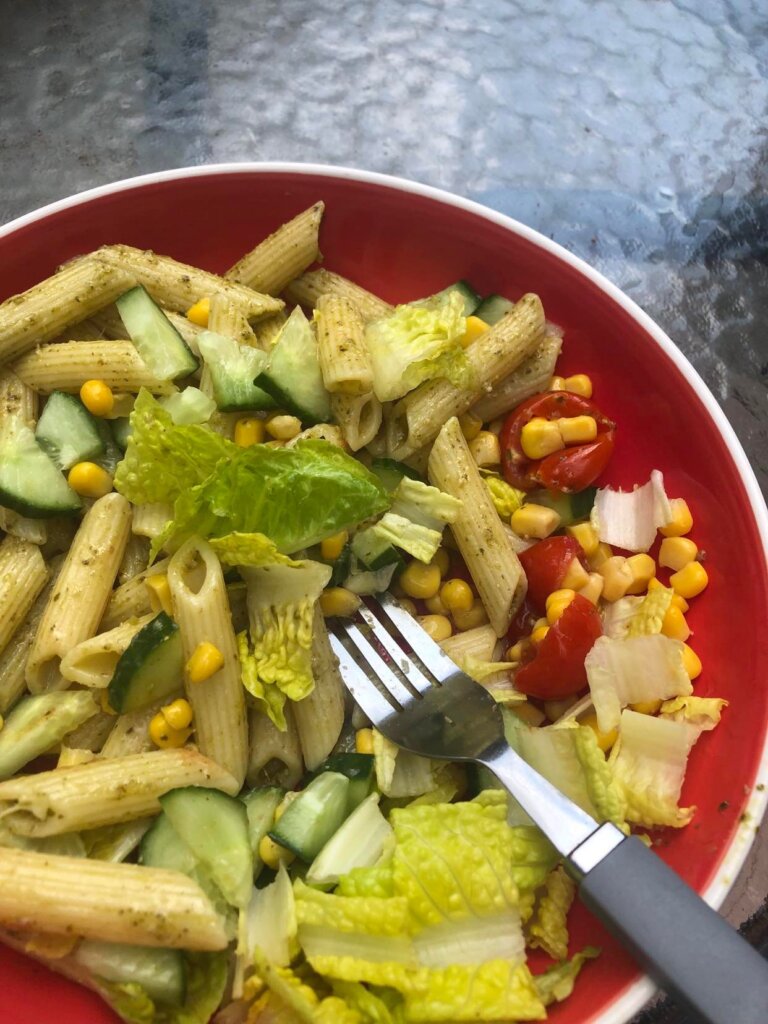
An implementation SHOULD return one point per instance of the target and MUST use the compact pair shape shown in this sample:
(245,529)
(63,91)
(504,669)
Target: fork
(425,704)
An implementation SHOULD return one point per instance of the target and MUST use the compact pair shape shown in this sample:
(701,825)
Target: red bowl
(402,241)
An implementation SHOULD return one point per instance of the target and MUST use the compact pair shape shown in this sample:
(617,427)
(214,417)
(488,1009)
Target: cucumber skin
(305,831)
(76,410)
(283,399)
(149,311)
(147,642)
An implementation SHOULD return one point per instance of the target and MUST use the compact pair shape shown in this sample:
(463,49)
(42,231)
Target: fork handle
(690,950)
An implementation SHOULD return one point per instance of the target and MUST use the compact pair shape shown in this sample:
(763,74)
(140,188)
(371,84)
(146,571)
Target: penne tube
(82,589)
(131,599)
(91,735)
(319,432)
(23,574)
(477,643)
(267,330)
(68,366)
(285,254)
(178,285)
(227,318)
(531,377)
(130,732)
(135,558)
(319,716)
(92,662)
(201,609)
(344,358)
(359,418)
(307,289)
(416,419)
(104,791)
(46,309)
(85,330)
(18,401)
(112,902)
(274,757)
(34,531)
(478,531)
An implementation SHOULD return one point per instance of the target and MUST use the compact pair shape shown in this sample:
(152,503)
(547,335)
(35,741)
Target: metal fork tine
(378,666)
(363,690)
(431,653)
(407,666)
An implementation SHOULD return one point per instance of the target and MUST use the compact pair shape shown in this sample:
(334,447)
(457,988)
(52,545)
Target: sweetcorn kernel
(97,397)
(200,312)
(438,627)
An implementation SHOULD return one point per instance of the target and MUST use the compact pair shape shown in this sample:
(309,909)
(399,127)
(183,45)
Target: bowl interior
(402,245)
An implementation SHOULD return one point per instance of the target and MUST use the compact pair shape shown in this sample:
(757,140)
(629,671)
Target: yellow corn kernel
(457,595)
(419,580)
(437,626)
(674,625)
(476,616)
(165,737)
(283,427)
(249,430)
(485,449)
(531,520)
(617,577)
(408,606)
(331,547)
(435,605)
(540,437)
(97,397)
(273,855)
(206,660)
(681,522)
(159,593)
(519,650)
(442,560)
(70,756)
(593,588)
(676,552)
(677,601)
(579,384)
(557,384)
(470,425)
(691,662)
(89,480)
(643,569)
(338,601)
(586,535)
(527,713)
(364,741)
(104,704)
(605,740)
(200,312)
(576,577)
(577,429)
(689,581)
(475,327)
(646,707)
(178,714)
(602,554)
(557,602)
(539,633)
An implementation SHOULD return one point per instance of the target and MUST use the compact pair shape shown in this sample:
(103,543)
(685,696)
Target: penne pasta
(18,401)
(131,599)
(227,318)
(178,285)
(274,757)
(477,643)
(112,902)
(285,254)
(130,732)
(531,377)
(34,531)
(307,289)
(82,589)
(92,662)
(201,609)
(320,716)
(359,418)
(66,367)
(23,574)
(416,419)
(344,359)
(92,734)
(478,531)
(104,791)
(267,330)
(135,558)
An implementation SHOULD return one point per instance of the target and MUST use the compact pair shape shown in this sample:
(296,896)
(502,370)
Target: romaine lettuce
(506,499)
(703,712)
(425,505)
(548,928)
(299,999)
(630,519)
(556,984)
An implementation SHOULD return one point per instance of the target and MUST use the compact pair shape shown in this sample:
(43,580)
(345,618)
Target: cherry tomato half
(568,470)
(545,563)
(557,669)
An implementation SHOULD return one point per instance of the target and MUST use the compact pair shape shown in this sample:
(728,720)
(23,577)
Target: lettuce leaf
(301,1000)
(703,712)
(417,342)
(556,984)
(248,549)
(189,406)
(648,617)
(400,773)
(419,541)
(376,881)
(425,505)
(630,519)
(206,982)
(496,990)
(506,499)
(548,928)
(370,1006)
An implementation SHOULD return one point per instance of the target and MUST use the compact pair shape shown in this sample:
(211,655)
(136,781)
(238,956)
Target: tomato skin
(545,565)
(557,670)
(569,470)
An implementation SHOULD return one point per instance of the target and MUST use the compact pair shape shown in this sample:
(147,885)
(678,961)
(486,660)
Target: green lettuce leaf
(506,499)
(376,881)
(248,549)
(556,984)
(548,928)
(649,614)
(496,990)
(419,541)
(400,773)
(425,505)
(206,982)
(301,1000)
(703,712)
(417,342)
(189,406)
(371,1007)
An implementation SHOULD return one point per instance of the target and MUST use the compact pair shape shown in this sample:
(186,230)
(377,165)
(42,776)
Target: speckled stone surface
(633,133)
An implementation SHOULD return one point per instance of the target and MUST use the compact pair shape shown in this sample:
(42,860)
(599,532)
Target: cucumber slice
(39,722)
(471,298)
(373,551)
(572,508)
(233,369)
(391,472)
(493,308)
(156,339)
(121,431)
(358,768)
(293,376)
(311,819)
(112,453)
(260,807)
(341,567)
(67,432)
(359,843)
(215,828)
(162,973)
(150,668)
(30,482)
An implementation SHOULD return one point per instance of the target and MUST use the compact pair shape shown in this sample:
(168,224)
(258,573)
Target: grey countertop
(633,133)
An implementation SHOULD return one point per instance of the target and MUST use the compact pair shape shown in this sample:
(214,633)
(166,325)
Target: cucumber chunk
(121,431)
(391,472)
(359,843)
(150,668)
(493,308)
(67,432)
(157,341)
(311,819)
(37,723)
(572,508)
(215,828)
(162,973)
(358,768)
(260,807)
(293,376)
(342,567)
(373,551)
(30,482)
(470,297)
(233,369)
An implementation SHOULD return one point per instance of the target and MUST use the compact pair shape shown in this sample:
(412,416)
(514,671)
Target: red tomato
(545,565)
(557,669)
(572,468)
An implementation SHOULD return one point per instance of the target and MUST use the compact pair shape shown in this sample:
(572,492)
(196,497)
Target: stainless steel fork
(424,703)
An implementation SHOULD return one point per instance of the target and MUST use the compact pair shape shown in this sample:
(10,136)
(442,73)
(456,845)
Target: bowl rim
(637,994)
